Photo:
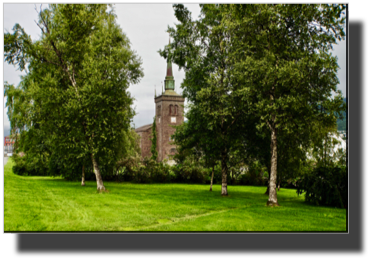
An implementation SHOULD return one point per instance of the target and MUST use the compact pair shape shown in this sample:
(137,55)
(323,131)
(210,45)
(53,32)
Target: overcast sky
(146,26)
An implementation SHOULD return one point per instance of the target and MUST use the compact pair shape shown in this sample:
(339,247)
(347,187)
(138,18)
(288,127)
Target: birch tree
(78,74)
(285,71)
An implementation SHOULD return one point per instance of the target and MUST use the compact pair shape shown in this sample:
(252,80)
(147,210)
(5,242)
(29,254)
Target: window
(158,110)
(176,110)
(171,111)
(173,151)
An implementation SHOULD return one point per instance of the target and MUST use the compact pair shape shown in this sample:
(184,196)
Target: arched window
(173,151)
(158,110)
(176,110)
(171,111)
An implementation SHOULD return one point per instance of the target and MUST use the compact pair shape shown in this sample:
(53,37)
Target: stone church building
(169,112)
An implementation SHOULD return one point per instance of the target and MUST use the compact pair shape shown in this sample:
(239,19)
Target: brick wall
(145,143)
(165,121)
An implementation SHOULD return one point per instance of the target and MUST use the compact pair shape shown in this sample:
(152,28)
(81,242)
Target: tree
(196,137)
(284,70)
(76,82)
(199,47)
(153,148)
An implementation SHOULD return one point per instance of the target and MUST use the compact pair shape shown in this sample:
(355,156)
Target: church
(169,113)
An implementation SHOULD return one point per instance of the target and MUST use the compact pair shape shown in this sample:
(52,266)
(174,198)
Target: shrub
(191,171)
(30,164)
(160,172)
(325,186)
(143,171)
(255,175)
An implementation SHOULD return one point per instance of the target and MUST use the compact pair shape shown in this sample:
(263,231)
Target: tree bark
(272,200)
(224,173)
(267,192)
(99,181)
(83,178)
(212,177)
(269,170)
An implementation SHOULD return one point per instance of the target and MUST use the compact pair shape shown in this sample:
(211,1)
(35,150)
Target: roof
(144,128)
(171,92)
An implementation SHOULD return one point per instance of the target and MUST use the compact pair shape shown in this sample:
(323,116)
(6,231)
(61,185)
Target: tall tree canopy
(199,47)
(260,77)
(284,67)
(75,89)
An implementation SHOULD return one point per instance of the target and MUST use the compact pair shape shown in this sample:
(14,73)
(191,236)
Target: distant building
(169,112)
(8,144)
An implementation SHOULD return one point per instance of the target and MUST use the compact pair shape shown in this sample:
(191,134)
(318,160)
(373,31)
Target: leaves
(76,87)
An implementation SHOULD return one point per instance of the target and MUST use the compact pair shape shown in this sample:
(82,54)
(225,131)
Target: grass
(53,204)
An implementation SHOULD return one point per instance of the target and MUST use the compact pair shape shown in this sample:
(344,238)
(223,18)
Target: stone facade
(169,113)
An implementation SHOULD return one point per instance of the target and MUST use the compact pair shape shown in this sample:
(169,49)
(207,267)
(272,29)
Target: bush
(19,168)
(191,171)
(160,172)
(255,175)
(143,171)
(325,186)
(29,164)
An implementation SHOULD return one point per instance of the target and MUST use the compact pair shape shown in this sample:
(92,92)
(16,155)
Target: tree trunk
(224,173)
(269,170)
(212,177)
(272,200)
(267,192)
(99,181)
(83,178)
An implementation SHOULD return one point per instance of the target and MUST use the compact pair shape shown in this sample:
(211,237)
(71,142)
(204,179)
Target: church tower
(169,113)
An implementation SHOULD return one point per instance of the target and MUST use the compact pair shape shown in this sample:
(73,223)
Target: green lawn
(51,204)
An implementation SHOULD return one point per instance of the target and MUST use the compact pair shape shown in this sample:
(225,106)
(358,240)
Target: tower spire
(169,79)
(169,71)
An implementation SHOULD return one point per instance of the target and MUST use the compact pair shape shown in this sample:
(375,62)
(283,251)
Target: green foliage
(258,77)
(151,171)
(325,186)
(256,174)
(199,48)
(328,150)
(75,89)
(30,165)
(191,170)
(144,171)
(153,148)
